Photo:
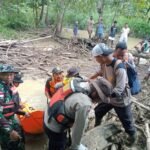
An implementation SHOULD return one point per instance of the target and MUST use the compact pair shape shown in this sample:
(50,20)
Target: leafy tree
(20,14)
(62,6)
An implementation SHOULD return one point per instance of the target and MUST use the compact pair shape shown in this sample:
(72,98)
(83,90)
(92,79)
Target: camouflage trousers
(5,141)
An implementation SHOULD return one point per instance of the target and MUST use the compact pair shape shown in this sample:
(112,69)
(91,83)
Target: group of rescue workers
(70,105)
(70,99)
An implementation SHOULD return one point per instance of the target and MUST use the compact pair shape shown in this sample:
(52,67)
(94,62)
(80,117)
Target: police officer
(69,108)
(11,135)
(120,100)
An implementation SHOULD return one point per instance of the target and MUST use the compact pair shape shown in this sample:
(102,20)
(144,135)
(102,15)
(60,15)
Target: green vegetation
(7,32)
(20,15)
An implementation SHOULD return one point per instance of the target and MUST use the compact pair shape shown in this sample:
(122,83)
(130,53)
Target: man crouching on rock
(69,108)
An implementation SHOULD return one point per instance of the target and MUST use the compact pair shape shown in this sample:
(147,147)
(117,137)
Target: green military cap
(7,68)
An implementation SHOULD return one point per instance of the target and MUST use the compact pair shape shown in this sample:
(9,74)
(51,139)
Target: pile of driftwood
(38,60)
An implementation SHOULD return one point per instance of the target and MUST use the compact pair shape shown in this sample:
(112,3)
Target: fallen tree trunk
(148,136)
(10,43)
(32,40)
(140,104)
(141,55)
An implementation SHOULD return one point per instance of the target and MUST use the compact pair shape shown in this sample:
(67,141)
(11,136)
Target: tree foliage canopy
(23,14)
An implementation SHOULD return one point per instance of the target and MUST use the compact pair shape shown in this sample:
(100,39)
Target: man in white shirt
(124,35)
(90,25)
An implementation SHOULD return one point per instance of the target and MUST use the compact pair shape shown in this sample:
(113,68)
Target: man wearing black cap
(114,71)
(16,98)
(72,72)
(57,76)
(121,52)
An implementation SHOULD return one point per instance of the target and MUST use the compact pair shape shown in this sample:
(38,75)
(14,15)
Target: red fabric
(60,95)
(34,123)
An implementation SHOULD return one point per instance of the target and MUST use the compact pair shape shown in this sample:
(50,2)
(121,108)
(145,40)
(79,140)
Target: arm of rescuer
(47,88)
(98,73)
(18,106)
(79,126)
(121,80)
(94,76)
(21,112)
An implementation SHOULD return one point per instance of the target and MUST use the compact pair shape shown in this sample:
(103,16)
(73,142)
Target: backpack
(56,107)
(57,103)
(134,82)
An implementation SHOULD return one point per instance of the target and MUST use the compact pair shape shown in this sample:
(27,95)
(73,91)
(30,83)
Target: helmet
(17,78)
(7,68)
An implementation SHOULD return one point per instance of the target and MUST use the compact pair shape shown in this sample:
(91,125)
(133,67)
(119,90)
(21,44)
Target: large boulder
(98,138)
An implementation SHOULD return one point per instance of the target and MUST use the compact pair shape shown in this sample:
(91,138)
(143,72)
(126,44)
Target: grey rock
(97,138)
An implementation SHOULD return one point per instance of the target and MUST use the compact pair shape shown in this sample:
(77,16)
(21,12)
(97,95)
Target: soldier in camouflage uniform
(11,135)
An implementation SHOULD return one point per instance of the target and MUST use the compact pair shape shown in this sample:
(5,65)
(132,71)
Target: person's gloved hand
(82,147)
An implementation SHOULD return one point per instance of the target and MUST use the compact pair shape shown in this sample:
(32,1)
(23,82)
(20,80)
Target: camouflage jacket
(5,97)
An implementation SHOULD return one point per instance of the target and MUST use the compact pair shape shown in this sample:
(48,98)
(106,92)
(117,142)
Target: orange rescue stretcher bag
(34,123)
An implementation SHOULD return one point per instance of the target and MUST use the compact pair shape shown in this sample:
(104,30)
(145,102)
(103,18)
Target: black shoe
(97,123)
(131,140)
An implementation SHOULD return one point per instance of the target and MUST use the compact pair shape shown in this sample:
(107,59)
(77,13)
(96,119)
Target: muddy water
(32,91)
(82,33)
